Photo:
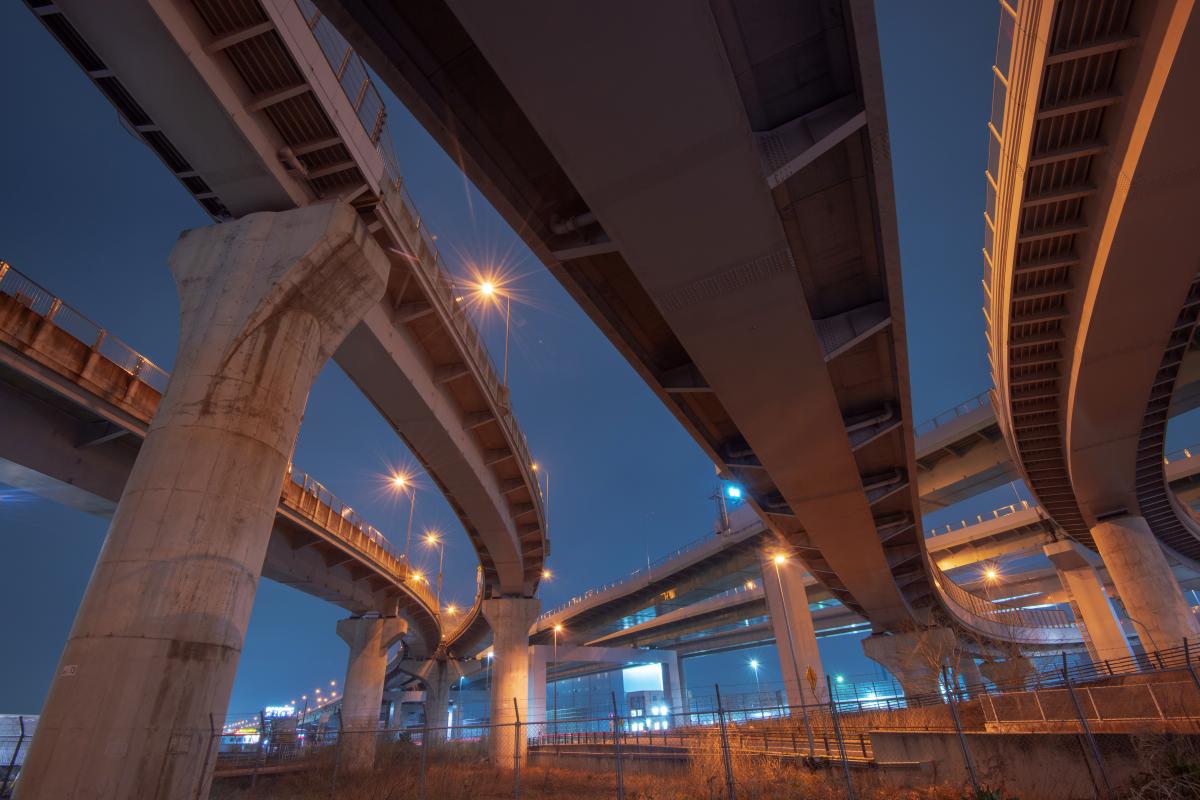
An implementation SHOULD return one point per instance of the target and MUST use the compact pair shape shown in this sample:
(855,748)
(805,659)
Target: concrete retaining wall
(1032,766)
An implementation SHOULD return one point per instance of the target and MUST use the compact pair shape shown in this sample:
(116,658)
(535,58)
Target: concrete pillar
(795,636)
(369,638)
(1143,579)
(915,658)
(144,679)
(437,681)
(509,618)
(1011,674)
(1094,614)
(672,680)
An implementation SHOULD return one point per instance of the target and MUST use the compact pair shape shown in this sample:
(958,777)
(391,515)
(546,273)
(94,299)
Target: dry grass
(467,776)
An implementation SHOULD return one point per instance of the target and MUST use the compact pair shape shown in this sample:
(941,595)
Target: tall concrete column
(1094,614)
(915,658)
(436,678)
(142,686)
(672,679)
(510,619)
(369,638)
(1143,579)
(795,635)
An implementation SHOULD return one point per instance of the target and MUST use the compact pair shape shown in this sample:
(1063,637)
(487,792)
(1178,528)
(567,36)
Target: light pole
(545,494)
(554,686)
(754,666)
(779,560)
(489,290)
(433,540)
(490,654)
(402,482)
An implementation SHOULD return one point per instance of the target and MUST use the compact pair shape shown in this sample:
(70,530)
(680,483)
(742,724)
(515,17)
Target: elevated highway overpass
(267,117)
(77,404)
(261,106)
(796,150)
(768,142)
(1091,280)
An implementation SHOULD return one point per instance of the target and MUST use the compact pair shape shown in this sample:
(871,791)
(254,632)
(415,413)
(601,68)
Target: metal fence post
(837,731)
(212,737)
(962,740)
(1087,732)
(337,754)
(516,750)
(259,757)
(732,793)
(617,748)
(12,763)
(424,749)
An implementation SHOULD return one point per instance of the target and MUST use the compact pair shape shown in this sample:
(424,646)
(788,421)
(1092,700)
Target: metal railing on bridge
(994,514)
(1022,623)
(358,87)
(981,400)
(643,573)
(309,498)
(54,311)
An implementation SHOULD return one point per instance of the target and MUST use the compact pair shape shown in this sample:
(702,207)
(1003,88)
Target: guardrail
(321,506)
(644,574)
(54,311)
(949,415)
(356,83)
(429,260)
(311,500)
(1007,617)
(996,513)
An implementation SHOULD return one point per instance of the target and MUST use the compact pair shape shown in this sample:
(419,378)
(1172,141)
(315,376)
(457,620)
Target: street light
(490,290)
(433,540)
(545,493)
(547,574)
(557,630)
(991,577)
(402,483)
(779,560)
(754,666)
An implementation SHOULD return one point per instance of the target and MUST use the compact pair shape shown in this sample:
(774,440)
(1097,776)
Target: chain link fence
(716,746)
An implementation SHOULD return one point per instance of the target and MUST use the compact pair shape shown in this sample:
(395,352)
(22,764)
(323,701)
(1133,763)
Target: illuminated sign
(279,711)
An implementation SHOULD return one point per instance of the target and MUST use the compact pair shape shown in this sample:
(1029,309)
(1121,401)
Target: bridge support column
(672,678)
(1143,579)
(795,635)
(369,638)
(142,686)
(915,658)
(1094,614)
(510,619)
(968,671)
(437,698)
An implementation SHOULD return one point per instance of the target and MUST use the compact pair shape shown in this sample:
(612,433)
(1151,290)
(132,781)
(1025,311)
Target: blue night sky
(90,213)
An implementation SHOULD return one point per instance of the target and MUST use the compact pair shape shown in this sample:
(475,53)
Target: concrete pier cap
(264,302)
(914,657)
